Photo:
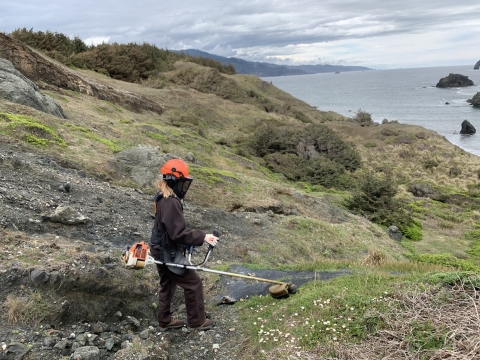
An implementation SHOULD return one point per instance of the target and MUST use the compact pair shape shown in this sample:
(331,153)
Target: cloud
(96,40)
(297,31)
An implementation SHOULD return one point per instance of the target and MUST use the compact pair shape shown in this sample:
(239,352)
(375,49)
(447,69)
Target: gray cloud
(256,29)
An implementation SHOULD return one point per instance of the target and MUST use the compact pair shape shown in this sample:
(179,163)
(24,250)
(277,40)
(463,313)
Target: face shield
(181,186)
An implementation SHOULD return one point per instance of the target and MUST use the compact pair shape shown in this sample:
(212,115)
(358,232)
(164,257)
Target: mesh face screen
(184,184)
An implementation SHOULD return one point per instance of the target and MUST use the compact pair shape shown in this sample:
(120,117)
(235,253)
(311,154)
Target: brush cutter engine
(137,256)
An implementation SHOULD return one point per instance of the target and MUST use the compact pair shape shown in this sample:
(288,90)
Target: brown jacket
(170,219)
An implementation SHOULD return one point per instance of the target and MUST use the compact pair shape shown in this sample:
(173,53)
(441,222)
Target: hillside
(274,176)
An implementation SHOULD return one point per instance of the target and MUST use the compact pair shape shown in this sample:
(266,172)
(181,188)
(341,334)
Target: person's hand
(211,240)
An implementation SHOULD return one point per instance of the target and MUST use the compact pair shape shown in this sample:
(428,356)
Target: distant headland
(263,69)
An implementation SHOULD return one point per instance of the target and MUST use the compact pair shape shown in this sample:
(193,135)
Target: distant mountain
(267,69)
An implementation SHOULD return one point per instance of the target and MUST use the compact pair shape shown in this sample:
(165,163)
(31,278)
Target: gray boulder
(454,80)
(394,233)
(16,88)
(142,164)
(66,215)
(86,353)
(475,100)
(467,128)
(15,351)
(39,276)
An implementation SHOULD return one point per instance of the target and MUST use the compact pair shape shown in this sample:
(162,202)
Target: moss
(215,177)
(31,139)
(108,143)
(33,131)
(158,137)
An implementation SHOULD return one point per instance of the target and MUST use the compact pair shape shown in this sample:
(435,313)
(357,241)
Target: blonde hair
(163,187)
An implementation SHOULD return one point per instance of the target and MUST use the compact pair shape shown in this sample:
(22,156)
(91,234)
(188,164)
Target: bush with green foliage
(374,199)
(363,117)
(310,153)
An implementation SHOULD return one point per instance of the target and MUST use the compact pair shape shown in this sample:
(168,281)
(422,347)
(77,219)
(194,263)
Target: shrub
(374,199)
(289,165)
(323,171)
(412,231)
(363,117)
(388,132)
(454,171)
(374,194)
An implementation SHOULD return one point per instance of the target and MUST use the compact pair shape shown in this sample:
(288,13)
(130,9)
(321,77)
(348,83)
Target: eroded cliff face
(38,68)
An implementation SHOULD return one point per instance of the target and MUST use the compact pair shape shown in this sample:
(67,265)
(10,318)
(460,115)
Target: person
(171,222)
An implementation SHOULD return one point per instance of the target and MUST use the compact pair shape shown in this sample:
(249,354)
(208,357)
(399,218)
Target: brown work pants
(193,291)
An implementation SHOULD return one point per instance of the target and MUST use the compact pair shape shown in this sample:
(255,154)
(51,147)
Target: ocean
(406,95)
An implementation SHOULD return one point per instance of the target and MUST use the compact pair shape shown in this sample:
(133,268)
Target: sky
(380,34)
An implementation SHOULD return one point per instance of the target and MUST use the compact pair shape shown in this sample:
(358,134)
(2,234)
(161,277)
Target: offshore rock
(454,80)
(16,88)
(467,128)
(475,100)
(477,65)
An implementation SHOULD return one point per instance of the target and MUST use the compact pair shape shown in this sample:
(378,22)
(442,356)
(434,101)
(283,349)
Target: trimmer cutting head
(282,291)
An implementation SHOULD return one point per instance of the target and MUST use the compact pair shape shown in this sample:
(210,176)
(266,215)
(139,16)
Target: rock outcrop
(477,65)
(467,128)
(38,68)
(141,163)
(475,100)
(454,80)
(16,88)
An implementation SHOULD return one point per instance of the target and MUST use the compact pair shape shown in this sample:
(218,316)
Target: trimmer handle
(216,233)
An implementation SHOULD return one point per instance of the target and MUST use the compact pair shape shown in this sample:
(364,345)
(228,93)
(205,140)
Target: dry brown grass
(453,318)
(30,309)
(374,258)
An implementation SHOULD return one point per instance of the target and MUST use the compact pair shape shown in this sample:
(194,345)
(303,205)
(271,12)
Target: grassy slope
(208,122)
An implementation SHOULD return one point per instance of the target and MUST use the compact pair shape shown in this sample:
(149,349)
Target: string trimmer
(138,256)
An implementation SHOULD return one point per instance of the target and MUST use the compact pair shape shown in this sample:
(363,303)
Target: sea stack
(475,100)
(477,65)
(467,128)
(454,80)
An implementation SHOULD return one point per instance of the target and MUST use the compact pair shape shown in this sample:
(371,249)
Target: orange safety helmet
(175,167)
(175,173)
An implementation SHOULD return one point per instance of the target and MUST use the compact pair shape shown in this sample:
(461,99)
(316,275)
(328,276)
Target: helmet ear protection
(170,179)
